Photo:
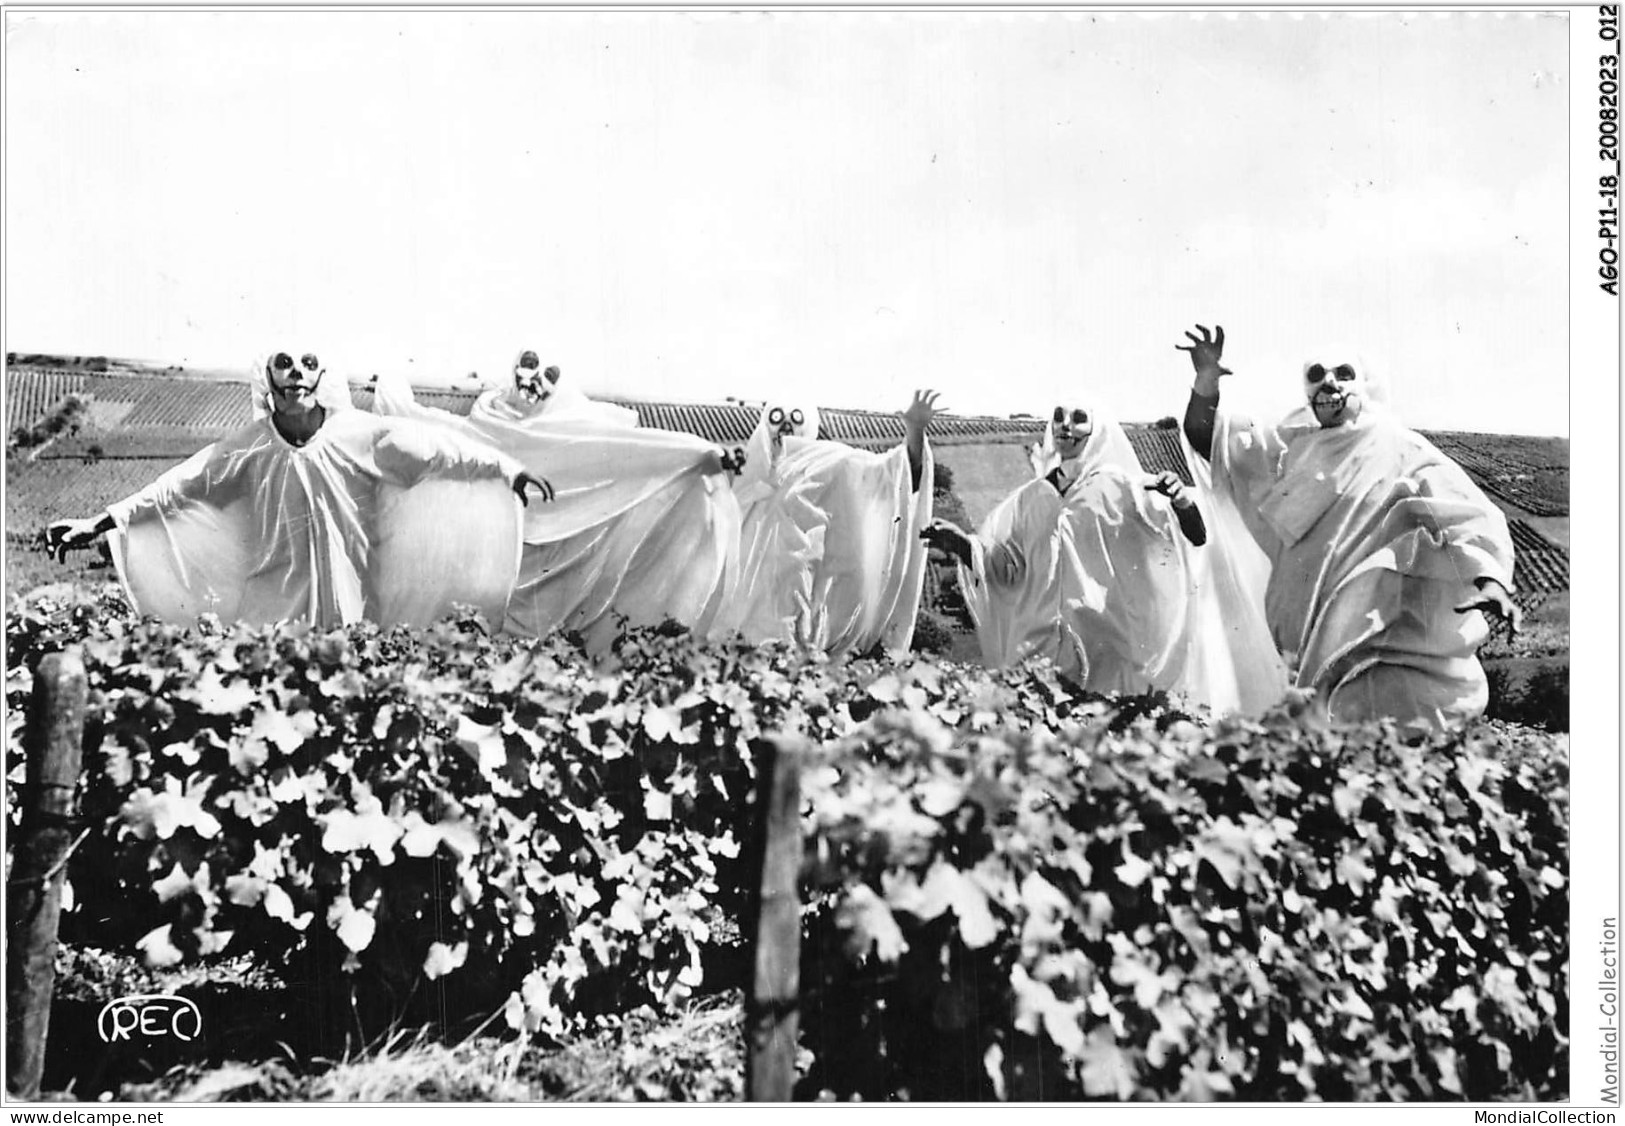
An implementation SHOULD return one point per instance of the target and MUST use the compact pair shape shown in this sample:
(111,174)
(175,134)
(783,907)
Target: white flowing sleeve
(1473,529)
(1246,464)
(392,397)
(1003,563)
(990,583)
(781,539)
(909,556)
(181,545)
(1426,519)
(866,584)
(831,556)
(1233,665)
(1010,584)
(212,474)
(409,452)
(1132,587)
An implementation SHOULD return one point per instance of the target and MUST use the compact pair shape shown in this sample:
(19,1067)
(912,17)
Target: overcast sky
(1010,208)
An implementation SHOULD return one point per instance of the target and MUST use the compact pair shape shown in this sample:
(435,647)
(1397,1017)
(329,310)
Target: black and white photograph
(811,555)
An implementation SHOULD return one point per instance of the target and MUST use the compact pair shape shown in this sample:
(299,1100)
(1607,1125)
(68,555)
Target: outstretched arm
(212,473)
(409,451)
(67,535)
(1189,516)
(915,419)
(1202,410)
(949,537)
(1004,561)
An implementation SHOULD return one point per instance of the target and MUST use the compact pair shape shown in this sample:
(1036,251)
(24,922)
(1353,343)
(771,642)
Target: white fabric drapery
(1374,537)
(370,519)
(830,550)
(643,525)
(1097,576)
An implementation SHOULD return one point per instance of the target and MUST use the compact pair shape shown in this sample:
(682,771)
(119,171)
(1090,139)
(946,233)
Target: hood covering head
(332,390)
(1107,445)
(1107,450)
(561,401)
(780,422)
(1335,374)
(533,384)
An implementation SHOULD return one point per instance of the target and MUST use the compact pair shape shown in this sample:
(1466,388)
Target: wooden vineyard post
(772,1009)
(56,724)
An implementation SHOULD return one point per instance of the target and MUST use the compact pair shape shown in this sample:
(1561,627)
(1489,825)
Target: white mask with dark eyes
(533,384)
(294,382)
(767,447)
(1071,428)
(1336,392)
(787,422)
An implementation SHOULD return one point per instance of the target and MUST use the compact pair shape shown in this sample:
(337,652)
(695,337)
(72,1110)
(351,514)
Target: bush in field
(1015,889)
(391,808)
(399,806)
(1534,692)
(1260,911)
(942,596)
(932,634)
(61,421)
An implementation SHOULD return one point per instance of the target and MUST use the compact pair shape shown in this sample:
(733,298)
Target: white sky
(1011,208)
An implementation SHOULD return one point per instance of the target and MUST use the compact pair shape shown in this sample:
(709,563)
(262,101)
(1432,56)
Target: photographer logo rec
(149,1016)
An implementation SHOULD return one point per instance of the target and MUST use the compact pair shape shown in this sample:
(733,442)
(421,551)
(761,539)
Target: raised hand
(1495,602)
(921,411)
(68,535)
(732,461)
(523,482)
(1206,352)
(1169,485)
(946,536)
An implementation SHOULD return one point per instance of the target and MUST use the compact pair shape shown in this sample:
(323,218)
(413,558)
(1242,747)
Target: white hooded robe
(374,519)
(1098,577)
(830,551)
(1374,537)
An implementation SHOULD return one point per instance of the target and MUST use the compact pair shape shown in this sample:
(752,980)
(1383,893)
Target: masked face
(533,385)
(786,422)
(294,382)
(1072,427)
(1336,392)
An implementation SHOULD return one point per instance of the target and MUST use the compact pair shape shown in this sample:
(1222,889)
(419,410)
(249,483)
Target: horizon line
(132,366)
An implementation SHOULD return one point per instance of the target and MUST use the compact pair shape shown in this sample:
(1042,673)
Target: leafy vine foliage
(1014,890)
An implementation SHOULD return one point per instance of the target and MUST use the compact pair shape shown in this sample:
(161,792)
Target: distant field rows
(1539,565)
(1528,473)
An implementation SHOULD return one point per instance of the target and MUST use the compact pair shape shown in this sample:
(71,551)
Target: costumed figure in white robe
(1385,558)
(830,555)
(1104,569)
(643,525)
(319,513)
